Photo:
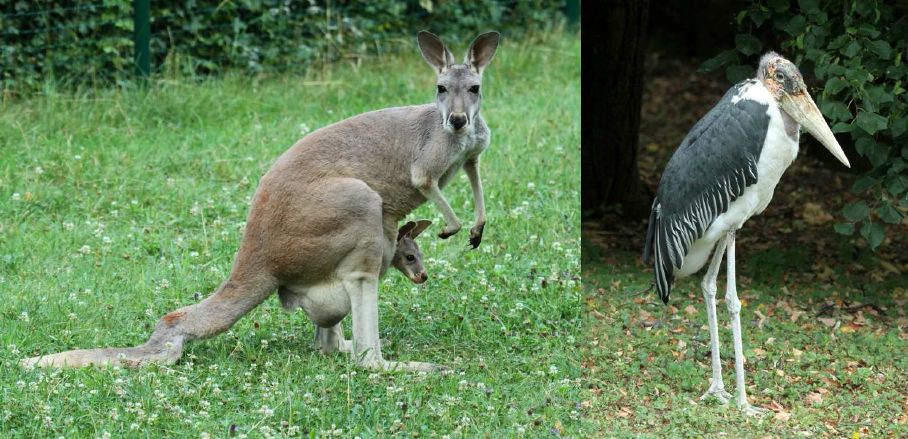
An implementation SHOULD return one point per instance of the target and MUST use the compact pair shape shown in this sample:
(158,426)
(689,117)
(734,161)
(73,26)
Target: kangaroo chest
(463,149)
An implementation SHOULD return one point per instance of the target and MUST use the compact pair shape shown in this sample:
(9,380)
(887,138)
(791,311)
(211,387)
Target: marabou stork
(724,172)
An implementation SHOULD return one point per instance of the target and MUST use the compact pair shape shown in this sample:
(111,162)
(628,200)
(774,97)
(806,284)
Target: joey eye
(411,258)
(474,89)
(780,76)
(442,89)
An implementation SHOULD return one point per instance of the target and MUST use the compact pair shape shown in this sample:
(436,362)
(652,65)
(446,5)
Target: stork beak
(804,111)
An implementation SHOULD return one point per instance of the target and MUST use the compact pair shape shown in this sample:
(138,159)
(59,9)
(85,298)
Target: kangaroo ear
(434,51)
(482,50)
(405,230)
(421,225)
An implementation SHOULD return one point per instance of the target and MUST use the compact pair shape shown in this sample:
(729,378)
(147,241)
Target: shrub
(857,50)
(92,41)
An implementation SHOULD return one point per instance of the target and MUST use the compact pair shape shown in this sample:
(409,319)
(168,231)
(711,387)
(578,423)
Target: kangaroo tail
(233,299)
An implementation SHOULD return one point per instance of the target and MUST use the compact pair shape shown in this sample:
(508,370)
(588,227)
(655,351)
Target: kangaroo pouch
(326,304)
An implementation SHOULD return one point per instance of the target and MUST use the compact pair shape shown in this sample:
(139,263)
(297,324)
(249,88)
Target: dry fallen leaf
(829,322)
(690,310)
(775,406)
(814,214)
(814,398)
(851,327)
(782,416)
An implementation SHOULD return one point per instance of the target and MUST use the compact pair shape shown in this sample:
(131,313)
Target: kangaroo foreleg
(471,167)
(429,189)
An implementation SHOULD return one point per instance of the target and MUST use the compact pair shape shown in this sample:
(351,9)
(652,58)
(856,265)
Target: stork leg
(734,309)
(717,386)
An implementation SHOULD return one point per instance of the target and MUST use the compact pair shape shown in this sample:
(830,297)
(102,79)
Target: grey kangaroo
(322,225)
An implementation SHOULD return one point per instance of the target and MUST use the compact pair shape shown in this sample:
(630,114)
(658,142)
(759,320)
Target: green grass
(828,368)
(118,206)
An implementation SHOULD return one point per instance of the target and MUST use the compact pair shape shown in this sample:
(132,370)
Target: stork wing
(715,162)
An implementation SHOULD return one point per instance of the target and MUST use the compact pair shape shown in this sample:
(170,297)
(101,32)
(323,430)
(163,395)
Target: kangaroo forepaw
(448,232)
(476,235)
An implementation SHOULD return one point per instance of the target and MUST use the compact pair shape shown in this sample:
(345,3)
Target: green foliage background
(856,50)
(91,42)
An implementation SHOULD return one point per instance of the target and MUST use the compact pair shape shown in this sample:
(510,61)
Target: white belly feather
(779,151)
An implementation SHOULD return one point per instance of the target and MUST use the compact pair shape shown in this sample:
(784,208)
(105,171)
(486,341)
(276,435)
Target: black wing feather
(711,168)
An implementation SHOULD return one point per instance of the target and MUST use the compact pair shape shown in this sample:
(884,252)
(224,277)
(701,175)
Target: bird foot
(750,410)
(717,392)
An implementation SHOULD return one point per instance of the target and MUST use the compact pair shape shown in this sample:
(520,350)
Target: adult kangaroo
(322,225)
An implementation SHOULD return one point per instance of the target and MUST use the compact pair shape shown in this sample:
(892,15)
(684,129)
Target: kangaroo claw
(476,235)
(447,233)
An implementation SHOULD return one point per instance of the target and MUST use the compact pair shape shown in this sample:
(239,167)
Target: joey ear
(405,230)
(482,50)
(421,225)
(434,51)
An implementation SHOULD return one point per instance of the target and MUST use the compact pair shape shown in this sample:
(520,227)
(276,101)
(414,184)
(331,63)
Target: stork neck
(792,128)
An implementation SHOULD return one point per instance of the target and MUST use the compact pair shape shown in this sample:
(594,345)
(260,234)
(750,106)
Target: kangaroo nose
(423,277)
(458,120)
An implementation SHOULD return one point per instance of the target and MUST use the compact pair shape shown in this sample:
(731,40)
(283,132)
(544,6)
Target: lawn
(117,206)
(824,324)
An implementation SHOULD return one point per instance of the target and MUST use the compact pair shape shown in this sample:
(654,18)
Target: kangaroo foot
(411,366)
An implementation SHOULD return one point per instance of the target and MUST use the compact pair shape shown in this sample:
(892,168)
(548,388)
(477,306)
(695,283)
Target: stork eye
(474,89)
(442,89)
(411,258)
(780,76)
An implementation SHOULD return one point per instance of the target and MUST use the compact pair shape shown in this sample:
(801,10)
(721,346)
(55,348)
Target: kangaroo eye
(411,258)
(442,89)
(474,89)
(779,76)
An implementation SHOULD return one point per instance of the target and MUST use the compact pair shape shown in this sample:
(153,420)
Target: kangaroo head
(407,257)
(458,92)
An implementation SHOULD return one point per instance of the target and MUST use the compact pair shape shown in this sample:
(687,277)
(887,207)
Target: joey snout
(420,277)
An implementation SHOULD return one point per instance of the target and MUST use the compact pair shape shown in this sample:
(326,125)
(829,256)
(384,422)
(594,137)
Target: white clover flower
(85,249)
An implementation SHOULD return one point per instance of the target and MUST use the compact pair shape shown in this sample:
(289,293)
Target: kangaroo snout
(420,277)
(458,120)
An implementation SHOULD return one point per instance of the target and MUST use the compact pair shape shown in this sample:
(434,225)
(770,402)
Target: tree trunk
(612,78)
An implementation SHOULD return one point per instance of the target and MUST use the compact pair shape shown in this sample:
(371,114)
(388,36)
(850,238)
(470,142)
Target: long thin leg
(717,386)
(734,309)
